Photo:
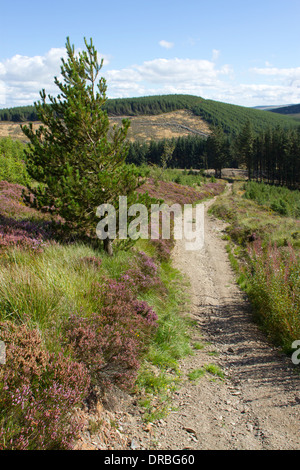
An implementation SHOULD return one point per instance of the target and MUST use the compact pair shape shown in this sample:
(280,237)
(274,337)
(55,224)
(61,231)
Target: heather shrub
(12,205)
(20,225)
(38,393)
(24,233)
(102,311)
(91,261)
(172,192)
(142,274)
(112,341)
(120,295)
(163,248)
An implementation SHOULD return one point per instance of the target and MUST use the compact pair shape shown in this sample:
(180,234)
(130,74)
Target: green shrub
(280,199)
(12,164)
(273,277)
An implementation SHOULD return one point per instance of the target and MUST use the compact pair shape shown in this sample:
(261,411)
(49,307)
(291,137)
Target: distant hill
(290,109)
(193,114)
(231,118)
(269,108)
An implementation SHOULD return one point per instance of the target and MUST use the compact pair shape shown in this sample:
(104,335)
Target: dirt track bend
(257,406)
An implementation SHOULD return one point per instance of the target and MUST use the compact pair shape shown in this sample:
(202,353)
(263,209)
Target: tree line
(19,114)
(185,152)
(148,105)
(271,155)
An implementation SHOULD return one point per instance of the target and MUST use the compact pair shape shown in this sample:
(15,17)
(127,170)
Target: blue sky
(244,53)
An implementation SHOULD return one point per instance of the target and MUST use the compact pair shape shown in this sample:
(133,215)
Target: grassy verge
(173,175)
(160,372)
(263,247)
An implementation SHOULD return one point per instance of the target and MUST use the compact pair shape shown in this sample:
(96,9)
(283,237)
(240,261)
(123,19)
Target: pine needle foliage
(76,157)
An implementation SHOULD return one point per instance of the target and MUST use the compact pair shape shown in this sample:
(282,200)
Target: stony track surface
(255,406)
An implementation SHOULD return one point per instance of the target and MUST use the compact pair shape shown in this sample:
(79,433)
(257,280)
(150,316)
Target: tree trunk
(108,246)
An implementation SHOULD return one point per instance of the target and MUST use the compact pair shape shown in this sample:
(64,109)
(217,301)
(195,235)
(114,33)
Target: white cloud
(164,76)
(175,70)
(215,55)
(257,94)
(166,44)
(22,77)
(293,72)
(281,84)
(20,68)
(2,93)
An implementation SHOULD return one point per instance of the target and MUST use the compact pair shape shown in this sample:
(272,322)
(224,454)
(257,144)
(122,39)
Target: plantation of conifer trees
(272,155)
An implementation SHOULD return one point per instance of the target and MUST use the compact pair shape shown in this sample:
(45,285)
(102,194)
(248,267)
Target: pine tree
(77,158)
(168,150)
(217,150)
(245,143)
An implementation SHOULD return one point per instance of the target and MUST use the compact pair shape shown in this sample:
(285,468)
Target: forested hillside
(231,118)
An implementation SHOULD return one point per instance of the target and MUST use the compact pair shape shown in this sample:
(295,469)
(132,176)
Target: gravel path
(255,406)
